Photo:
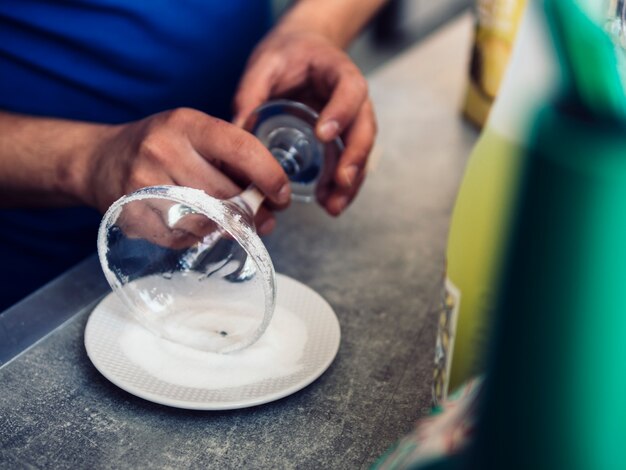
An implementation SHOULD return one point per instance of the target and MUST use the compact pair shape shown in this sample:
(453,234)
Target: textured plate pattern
(108,320)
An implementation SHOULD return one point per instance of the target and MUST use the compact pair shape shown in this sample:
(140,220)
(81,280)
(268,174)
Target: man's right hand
(183,147)
(48,162)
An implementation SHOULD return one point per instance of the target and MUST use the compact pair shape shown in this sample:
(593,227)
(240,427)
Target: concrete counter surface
(380,266)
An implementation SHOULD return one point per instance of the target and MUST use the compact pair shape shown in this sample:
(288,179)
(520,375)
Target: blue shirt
(109,61)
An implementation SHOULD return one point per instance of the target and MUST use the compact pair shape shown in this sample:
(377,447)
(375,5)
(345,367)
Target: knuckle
(353,76)
(137,180)
(154,147)
(139,175)
(356,157)
(179,116)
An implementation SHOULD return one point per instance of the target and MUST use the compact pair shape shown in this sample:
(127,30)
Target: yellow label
(499,18)
(446,332)
(496,28)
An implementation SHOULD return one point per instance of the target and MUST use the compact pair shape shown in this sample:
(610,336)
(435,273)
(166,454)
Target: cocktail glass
(191,268)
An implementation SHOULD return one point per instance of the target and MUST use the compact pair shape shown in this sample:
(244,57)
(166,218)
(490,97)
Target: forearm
(338,20)
(43,161)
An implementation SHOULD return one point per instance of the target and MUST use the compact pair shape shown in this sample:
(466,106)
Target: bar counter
(380,267)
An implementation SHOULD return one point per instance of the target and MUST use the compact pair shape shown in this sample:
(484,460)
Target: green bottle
(555,394)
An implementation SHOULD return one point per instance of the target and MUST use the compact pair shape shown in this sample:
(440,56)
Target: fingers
(143,219)
(340,198)
(188,148)
(167,156)
(146,219)
(358,140)
(342,187)
(349,92)
(201,174)
(308,63)
(197,172)
(222,143)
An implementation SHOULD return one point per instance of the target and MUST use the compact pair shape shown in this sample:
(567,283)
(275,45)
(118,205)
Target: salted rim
(218,212)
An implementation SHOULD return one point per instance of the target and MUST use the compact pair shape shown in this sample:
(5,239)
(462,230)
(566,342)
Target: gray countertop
(380,266)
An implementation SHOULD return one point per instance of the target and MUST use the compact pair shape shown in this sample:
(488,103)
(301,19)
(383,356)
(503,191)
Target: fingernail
(329,130)
(284,193)
(349,175)
(267,226)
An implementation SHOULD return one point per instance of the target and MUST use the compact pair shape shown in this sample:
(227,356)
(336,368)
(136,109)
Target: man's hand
(187,148)
(309,67)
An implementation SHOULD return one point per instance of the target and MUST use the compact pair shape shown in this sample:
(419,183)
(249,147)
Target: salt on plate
(276,354)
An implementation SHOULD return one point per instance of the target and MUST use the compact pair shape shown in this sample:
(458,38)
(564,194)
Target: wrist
(46,161)
(74,175)
(338,21)
(306,17)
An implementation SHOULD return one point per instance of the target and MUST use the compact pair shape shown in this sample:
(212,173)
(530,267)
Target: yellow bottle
(480,217)
(497,22)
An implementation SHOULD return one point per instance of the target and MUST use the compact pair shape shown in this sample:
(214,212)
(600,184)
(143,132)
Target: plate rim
(221,405)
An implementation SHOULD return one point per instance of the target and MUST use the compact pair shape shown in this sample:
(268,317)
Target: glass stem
(250,199)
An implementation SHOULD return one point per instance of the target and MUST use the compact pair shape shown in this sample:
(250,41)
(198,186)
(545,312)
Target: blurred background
(400,24)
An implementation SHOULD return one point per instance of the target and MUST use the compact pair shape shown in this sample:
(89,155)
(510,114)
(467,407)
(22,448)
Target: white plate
(109,322)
